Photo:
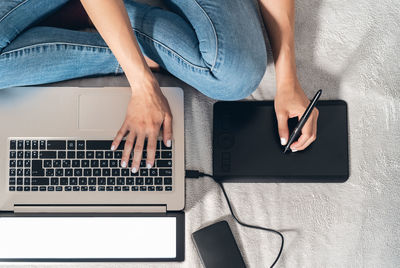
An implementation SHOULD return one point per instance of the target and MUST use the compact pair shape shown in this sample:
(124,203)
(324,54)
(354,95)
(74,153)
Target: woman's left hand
(291,101)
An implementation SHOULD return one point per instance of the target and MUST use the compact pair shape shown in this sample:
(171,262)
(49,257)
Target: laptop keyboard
(84,165)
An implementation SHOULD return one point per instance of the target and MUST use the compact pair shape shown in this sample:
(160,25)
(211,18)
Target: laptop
(55,154)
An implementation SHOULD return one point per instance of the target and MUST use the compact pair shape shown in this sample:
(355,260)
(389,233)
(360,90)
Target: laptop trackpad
(102,111)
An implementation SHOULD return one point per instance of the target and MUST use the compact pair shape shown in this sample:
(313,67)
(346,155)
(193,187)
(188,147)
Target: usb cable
(195,174)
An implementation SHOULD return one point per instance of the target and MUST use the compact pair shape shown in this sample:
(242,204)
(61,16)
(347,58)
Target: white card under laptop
(56,167)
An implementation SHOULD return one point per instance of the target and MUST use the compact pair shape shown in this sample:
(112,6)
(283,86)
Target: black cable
(194,174)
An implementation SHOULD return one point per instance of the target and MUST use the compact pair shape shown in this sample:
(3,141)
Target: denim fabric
(216,46)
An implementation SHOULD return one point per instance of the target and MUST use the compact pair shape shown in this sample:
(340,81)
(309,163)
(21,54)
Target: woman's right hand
(147,111)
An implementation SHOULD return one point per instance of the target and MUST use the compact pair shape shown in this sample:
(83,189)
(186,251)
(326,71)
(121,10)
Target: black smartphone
(217,246)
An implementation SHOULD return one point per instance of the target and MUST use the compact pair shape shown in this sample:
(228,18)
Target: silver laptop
(55,157)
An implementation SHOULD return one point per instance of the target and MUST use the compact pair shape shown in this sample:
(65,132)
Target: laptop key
(71,154)
(94,163)
(89,154)
(20,145)
(78,172)
(130,181)
(20,172)
(92,188)
(110,188)
(71,145)
(98,144)
(166,154)
(35,155)
(20,163)
(153,172)
(165,172)
(80,145)
(47,163)
(84,188)
(150,188)
(47,154)
(40,181)
(11,181)
(113,163)
(135,188)
(11,188)
(92,181)
(68,172)
(158,181)
(75,188)
(49,172)
(64,181)
(110,181)
(109,154)
(97,172)
(168,188)
(42,188)
(99,154)
(117,188)
(87,172)
(56,145)
(76,163)
(73,181)
(143,188)
(101,181)
(54,181)
(61,154)
(68,188)
(102,188)
(106,172)
(125,188)
(27,154)
(34,188)
(27,144)
(85,163)
(58,188)
(120,181)
(27,189)
(80,154)
(82,181)
(149,181)
(103,163)
(35,144)
(42,145)
(12,163)
(13,154)
(168,181)
(116,172)
(164,163)
(144,172)
(13,144)
(20,188)
(159,188)
(27,181)
(59,172)
(20,154)
(66,163)
(139,181)
(50,188)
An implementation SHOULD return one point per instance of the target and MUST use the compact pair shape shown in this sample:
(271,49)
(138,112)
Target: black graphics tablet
(246,145)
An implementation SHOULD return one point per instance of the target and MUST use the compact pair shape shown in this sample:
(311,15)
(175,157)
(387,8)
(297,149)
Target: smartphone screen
(87,237)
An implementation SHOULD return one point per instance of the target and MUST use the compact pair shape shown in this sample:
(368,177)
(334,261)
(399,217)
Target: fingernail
(112,147)
(123,164)
(168,143)
(294,150)
(134,170)
(148,165)
(283,141)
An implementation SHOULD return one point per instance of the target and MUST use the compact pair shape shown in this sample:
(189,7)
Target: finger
(283,128)
(167,130)
(137,152)
(151,150)
(306,144)
(306,133)
(120,135)
(127,149)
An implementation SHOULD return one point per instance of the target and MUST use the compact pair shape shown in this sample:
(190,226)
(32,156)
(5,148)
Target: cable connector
(192,174)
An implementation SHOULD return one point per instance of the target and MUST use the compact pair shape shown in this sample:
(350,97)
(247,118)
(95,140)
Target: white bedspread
(348,48)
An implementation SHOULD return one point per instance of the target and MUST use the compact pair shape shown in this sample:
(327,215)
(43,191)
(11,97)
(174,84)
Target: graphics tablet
(246,145)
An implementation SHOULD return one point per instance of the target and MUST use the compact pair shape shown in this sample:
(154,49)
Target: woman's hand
(147,111)
(291,101)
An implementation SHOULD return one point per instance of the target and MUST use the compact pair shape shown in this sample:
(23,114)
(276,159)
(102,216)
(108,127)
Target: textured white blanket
(350,49)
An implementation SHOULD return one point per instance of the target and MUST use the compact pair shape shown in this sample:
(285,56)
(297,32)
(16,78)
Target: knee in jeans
(241,78)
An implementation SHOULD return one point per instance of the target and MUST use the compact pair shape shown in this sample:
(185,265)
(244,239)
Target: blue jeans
(216,46)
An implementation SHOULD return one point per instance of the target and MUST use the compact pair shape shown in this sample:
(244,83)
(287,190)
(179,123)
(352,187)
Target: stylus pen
(303,120)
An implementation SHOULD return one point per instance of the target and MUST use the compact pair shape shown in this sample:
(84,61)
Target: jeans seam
(171,50)
(54,43)
(12,10)
(215,34)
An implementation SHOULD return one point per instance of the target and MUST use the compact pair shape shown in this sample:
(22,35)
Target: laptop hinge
(90,209)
